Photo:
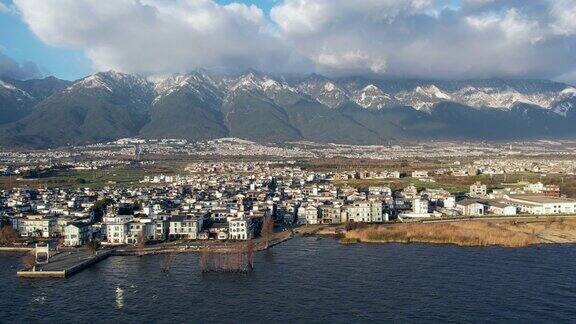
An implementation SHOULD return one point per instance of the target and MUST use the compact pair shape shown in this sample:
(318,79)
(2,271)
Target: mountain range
(356,110)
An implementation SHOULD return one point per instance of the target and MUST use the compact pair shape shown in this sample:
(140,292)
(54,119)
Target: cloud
(9,68)
(157,36)
(416,38)
(481,38)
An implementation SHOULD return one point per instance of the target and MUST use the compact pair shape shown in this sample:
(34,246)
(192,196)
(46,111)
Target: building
(77,234)
(185,226)
(420,206)
(551,191)
(471,207)
(241,228)
(363,212)
(478,190)
(330,214)
(307,215)
(39,226)
(117,228)
(376,215)
(501,208)
(420,174)
(542,205)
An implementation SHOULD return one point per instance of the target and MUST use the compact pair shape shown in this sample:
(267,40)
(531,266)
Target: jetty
(65,264)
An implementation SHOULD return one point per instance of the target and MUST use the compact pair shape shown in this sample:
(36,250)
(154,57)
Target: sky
(435,39)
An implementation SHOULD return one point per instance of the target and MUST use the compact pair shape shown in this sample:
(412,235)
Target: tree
(8,235)
(267,230)
(29,261)
(141,241)
(94,246)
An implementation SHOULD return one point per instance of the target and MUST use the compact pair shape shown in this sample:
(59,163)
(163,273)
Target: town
(231,200)
(147,197)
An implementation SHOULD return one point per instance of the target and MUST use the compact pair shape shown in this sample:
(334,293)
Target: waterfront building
(420,206)
(330,214)
(39,226)
(542,205)
(241,228)
(77,234)
(117,228)
(185,226)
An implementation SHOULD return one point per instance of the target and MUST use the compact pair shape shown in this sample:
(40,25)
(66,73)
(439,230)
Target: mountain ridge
(257,106)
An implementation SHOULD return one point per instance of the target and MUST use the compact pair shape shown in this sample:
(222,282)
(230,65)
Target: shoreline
(466,233)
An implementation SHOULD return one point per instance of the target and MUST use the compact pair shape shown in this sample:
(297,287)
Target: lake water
(305,280)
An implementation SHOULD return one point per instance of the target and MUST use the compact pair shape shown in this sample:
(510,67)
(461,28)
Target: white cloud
(157,36)
(564,12)
(478,38)
(419,38)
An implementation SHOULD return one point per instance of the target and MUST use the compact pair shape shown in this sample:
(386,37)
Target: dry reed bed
(466,233)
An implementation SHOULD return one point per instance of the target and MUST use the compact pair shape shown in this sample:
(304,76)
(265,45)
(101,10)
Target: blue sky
(19,43)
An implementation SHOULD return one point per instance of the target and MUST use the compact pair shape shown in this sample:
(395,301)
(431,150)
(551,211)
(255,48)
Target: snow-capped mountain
(200,84)
(257,106)
(372,97)
(323,90)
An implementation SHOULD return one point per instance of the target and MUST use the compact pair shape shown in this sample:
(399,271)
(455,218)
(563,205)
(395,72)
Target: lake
(309,280)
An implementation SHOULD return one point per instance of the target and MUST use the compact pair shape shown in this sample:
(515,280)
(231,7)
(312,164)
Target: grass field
(125,175)
(456,185)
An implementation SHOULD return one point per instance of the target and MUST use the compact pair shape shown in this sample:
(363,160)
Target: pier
(65,264)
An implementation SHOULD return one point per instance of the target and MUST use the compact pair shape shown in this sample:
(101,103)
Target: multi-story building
(478,190)
(117,228)
(307,215)
(542,205)
(420,206)
(185,226)
(39,226)
(330,214)
(77,233)
(241,228)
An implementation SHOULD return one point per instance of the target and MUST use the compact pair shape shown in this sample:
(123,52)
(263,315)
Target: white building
(186,227)
(542,205)
(307,215)
(39,226)
(364,212)
(117,228)
(478,190)
(240,228)
(77,234)
(470,207)
(420,206)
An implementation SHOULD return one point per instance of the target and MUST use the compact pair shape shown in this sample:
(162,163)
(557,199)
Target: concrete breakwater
(65,264)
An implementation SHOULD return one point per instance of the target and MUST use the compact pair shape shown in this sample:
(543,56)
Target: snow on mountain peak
(372,97)
(7,85)
(568,92)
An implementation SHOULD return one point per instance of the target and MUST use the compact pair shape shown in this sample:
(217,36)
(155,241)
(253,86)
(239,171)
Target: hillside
(255,106)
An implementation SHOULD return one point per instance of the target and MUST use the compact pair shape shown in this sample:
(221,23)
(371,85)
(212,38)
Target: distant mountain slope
(17,98)
(102,107)
(197,106)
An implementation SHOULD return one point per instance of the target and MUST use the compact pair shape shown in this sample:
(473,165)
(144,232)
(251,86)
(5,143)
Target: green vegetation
(126,175)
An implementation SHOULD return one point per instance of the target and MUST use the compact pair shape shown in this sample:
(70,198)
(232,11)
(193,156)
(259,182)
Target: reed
(238,259)
(464,233)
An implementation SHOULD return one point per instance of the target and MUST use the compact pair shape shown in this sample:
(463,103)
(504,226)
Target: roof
(542,199)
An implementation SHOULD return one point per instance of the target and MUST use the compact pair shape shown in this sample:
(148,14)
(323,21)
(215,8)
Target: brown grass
(469,233)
